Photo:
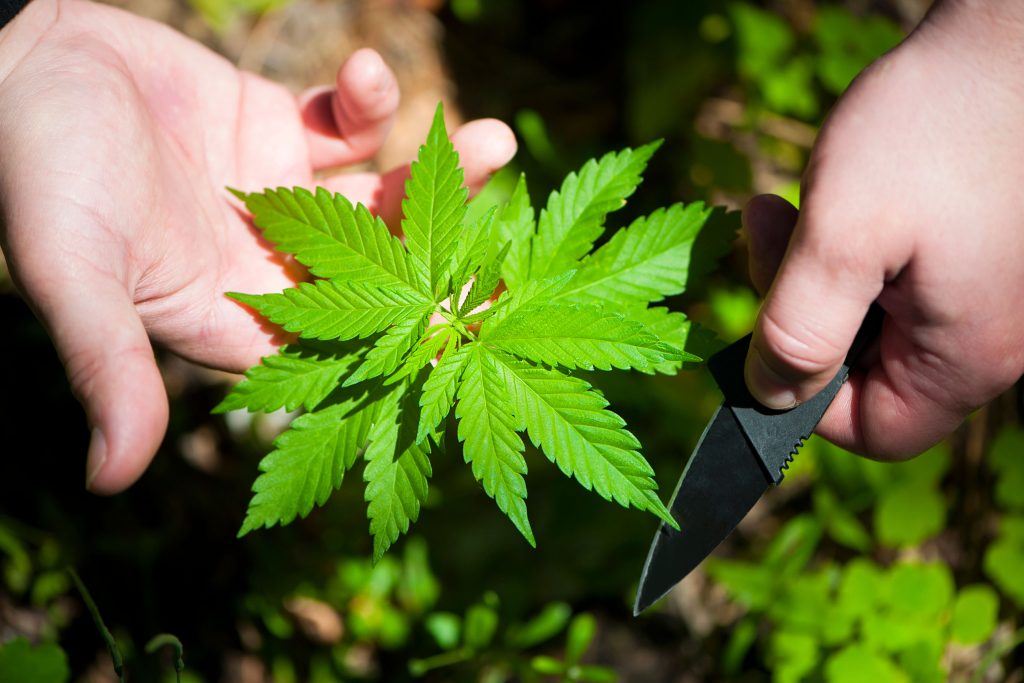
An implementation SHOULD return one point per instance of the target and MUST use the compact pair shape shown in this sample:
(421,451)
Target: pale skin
(912,197)
(119,137)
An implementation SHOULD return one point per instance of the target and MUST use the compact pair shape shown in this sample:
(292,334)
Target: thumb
(810,316)
(109,362)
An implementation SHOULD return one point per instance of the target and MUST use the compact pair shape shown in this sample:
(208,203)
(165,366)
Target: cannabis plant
(490,319)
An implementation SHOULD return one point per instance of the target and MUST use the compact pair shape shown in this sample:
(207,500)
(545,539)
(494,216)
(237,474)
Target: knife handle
(776,435)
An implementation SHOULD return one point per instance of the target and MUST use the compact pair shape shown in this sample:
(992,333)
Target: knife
(744,449)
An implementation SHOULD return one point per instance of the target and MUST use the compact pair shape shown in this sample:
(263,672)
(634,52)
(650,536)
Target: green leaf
(751,585)
(445,627)
(908,514)
(580,336)
(397,468)
(974,614)
(1005,557)
(20,662)
(330,237)
(433,341)
(856,663)
(488,431)
(337,310)
(434,206)
(387,353)
(1006,458)
(533,292)
(644,263)
(575,214)
(481,623)
(841,524)
(581,634)
(675,330)
(471,250)
(546,625)
(299,375)
(486,281)
(567,419)
(792,656)
(922,592)
(308,462)
(439,390)
(515,225)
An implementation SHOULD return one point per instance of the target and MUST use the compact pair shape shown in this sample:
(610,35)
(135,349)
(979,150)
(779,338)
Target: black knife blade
(743,450)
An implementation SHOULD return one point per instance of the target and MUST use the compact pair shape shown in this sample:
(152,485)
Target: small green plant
(382,312)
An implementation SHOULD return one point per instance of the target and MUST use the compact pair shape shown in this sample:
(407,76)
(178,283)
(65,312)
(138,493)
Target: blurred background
(850,571)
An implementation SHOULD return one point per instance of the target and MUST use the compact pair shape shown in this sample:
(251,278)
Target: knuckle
(796,350)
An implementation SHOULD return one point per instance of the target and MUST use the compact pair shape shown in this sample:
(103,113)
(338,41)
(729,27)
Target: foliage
(507,365)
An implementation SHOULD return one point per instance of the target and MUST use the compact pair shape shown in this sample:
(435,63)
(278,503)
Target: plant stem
(108,638)
(997,652)
(162,639)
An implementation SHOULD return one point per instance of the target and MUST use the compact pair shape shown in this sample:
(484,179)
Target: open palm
(118,140)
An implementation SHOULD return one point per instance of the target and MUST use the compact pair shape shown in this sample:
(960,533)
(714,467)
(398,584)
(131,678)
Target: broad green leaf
(922,592)
(397,468)
(308,463)
(515,225)
(424,352)
(792,656)
(643,263)
(856,664)
(471,250)
(433,208)
(580,336)
(337,310)
(568,420)
(330,237)
(439,390)
(390,349)
(752,585)
(20,662)
(533,292)
(486,282)
(1006,457)
(575,214)
(840,523)
(488,431)
(299,375)
(861,587)
(1005,557)
(908,514)
(974,614)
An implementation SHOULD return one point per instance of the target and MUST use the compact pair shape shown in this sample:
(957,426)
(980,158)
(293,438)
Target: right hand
(912,197)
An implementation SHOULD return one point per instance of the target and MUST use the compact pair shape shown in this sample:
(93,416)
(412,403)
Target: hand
(912,197)
(119,137)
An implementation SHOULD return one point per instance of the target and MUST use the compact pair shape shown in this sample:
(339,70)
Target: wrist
(20,35)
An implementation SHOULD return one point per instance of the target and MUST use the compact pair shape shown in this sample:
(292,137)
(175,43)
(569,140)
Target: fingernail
(766,385)
(97,457)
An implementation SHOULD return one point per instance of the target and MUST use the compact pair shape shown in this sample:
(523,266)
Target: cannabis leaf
(483,321)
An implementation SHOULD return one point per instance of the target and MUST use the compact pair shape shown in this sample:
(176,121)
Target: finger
(882,414)
(811,314)
(349,123)
(769,221)
(110,365)
(484,146)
